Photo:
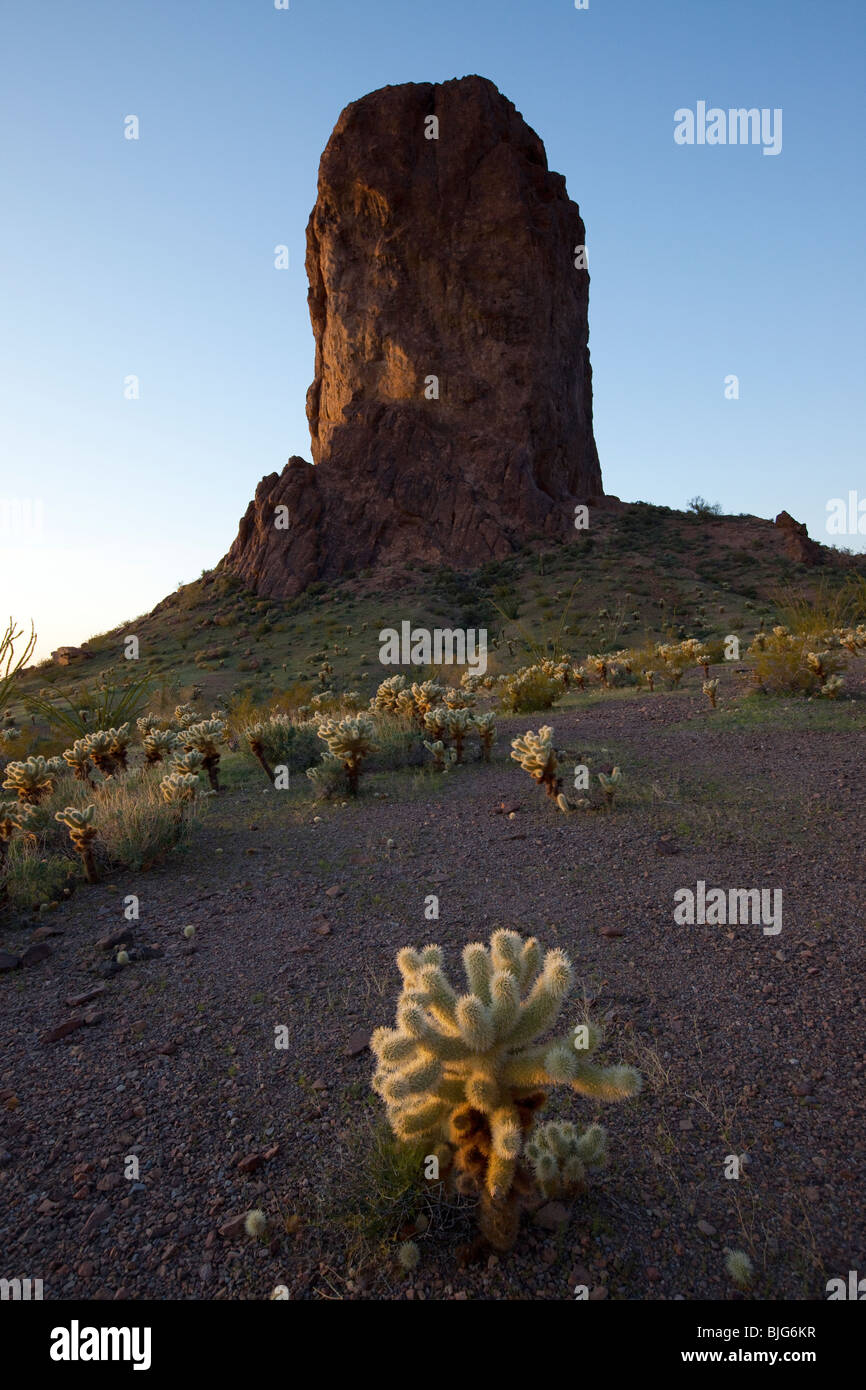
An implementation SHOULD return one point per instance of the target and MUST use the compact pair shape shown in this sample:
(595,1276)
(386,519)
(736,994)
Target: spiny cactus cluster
(179,789)
(191,761)
(468,1072)
(31,781)
(386,696)
(107,749)
(560,1155)
(486,726)
(158,744)
(351,740)
(537,756)
(204,737)
(710,688)
(185,715)
(78,758)
(82,832)
(442,754)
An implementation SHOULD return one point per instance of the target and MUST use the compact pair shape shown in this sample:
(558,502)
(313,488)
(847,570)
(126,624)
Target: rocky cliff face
(451,411)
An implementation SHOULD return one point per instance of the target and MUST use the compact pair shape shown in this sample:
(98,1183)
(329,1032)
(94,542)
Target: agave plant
(82,833)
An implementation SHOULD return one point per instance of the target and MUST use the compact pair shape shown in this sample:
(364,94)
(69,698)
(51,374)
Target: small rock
(319,1085)
(706,1229)
(41,933)
(8,961)
(251,1163)
(358,1041)
(612,931)
(551,1216)
(32,955)
(233,1227)
(97,1218)
(75,1001)
(62,1030)
(122,936)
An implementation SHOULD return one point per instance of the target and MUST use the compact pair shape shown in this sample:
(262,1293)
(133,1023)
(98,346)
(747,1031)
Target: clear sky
(155,257)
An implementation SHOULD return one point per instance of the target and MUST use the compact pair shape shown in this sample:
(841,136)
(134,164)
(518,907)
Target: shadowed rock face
(451,258)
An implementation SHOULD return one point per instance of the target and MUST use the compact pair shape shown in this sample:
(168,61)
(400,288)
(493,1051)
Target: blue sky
(155,257)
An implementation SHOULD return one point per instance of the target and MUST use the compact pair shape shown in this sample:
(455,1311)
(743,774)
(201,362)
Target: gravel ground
(749,1044)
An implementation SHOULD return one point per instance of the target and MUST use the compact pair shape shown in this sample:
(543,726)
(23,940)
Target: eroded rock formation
(451,411)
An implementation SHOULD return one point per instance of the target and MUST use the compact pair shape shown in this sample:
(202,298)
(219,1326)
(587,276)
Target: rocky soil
(750,1044)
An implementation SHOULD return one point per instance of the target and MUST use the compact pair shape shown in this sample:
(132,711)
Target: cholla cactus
(179,789)
(486,726)
(816,662)
(31,781)
(82,833)
(119,745)
(537,756)
(326,670)
(386,696)
(852,638)
(99,745)
(185,715)
(78,758)
(609,781)
(442,755)
(147,723)
(452,698)
(599,666)
(351,740)
(436,722)
(469,1068)
(832,687)
(458,723)
(256,736)
(427,695)
(408,1256)
(405,706)
(204,737)
(739,1268)
(578,675)
(10,736)
(158,744)
(711,689)
(560,1156)
(191,761)
(650,678)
